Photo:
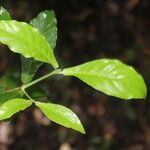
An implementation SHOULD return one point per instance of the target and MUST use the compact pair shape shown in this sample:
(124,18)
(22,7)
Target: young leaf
(26,40)
(111,77)
(4,15)
(46,23)
(13,106)
(61,115)
(29,68)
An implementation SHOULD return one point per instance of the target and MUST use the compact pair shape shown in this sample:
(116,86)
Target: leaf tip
(83,130)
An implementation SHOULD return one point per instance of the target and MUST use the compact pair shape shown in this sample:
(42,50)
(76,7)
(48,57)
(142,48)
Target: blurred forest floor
(87,30)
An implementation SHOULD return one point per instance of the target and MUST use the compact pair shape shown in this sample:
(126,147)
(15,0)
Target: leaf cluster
(35,42)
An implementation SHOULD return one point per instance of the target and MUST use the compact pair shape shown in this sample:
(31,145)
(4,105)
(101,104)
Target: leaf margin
(78,128)
(71,72)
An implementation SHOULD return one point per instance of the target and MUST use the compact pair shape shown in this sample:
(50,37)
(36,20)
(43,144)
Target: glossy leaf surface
(111,77)
(26,40)
(46,23)
(13,106)
(61,115)
(4,15)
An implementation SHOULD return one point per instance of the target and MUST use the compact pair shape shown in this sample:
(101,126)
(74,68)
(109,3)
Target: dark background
(87,30)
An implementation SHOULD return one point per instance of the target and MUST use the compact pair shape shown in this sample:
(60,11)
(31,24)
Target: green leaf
(61,115)
(8,83)
(29,68)
(4,97)
(4,14)
(2,86)
(111,77)
(13,106)
(46,23)
(26,40)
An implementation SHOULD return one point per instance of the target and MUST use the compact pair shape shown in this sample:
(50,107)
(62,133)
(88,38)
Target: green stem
(23,87)
(40,79)
(12,90)
(23,90)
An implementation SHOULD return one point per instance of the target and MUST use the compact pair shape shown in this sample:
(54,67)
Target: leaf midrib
(79,73)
